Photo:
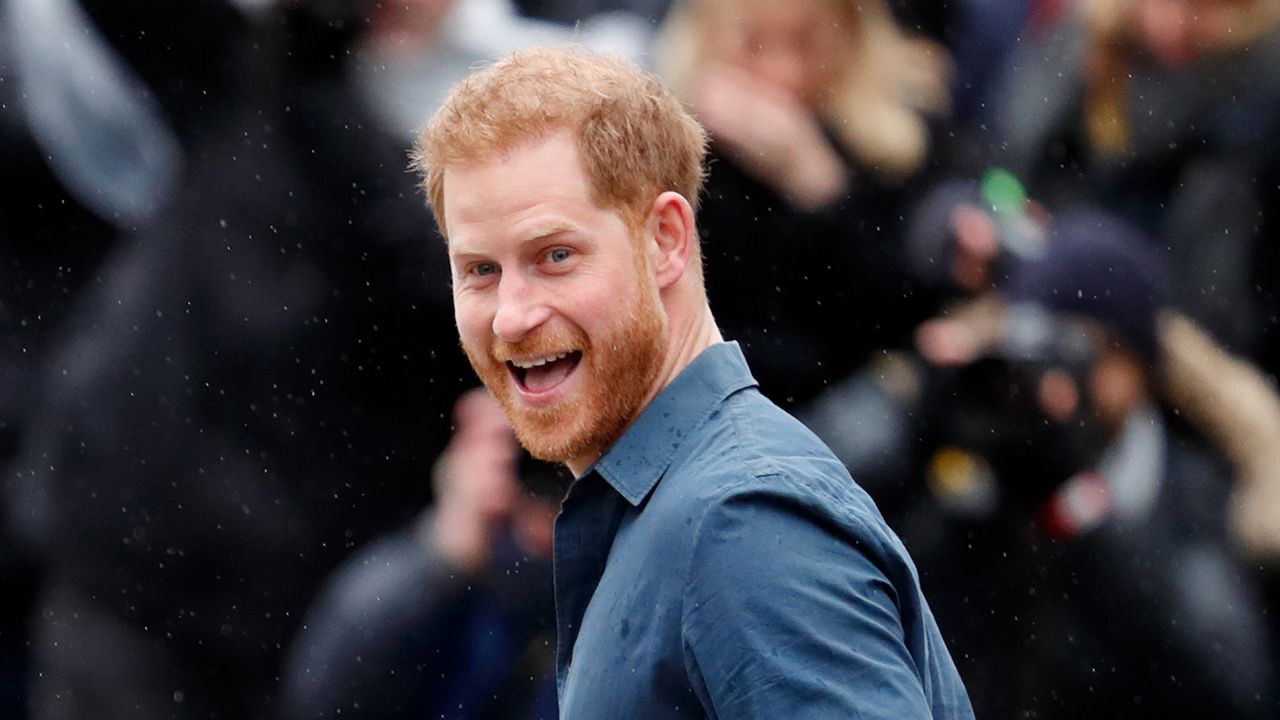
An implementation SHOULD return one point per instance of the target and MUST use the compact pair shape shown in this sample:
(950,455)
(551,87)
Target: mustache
(540,343)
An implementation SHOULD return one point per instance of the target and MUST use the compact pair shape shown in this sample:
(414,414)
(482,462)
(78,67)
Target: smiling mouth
(545,373)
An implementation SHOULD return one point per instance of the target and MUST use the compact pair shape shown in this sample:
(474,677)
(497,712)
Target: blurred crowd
(1014,260)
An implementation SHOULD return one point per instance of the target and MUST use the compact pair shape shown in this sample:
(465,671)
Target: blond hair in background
(1237,407)
(884,86)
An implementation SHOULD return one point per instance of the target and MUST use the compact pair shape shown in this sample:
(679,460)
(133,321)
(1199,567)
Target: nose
(521,308)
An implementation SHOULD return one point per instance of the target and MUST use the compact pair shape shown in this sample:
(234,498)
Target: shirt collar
(635,463)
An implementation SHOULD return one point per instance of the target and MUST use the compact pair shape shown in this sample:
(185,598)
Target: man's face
(556,306)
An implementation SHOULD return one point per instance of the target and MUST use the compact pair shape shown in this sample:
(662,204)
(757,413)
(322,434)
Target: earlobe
(670,227)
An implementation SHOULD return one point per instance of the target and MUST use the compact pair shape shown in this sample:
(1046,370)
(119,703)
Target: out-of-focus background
(1014,260)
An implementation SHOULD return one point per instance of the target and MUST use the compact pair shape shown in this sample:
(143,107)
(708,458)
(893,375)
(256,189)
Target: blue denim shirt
(718,561)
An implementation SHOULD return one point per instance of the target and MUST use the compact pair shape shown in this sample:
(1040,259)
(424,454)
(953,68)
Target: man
(712,558)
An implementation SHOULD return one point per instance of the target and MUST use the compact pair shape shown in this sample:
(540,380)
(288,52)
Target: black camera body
(998,445)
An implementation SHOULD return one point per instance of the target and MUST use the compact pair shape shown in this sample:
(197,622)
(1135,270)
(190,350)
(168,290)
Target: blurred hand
(963,333)
(774,136)
(475,482)
(976,249)
(1254,517)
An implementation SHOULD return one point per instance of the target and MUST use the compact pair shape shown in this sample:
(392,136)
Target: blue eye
(559,255)
(484,268)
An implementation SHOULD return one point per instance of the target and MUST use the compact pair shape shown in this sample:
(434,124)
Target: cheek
(474,324)
(592,314)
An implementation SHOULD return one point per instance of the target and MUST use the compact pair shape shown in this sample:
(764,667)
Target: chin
(556,437)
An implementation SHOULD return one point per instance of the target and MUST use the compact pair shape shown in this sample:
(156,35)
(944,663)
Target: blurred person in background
(822,115)
(414,51)
(98,107)
(961,241)
(964,240)
(981,35)
(92,130)
(255,386)
(1097,516)
(452,617)
(1168,113)
(1097,574)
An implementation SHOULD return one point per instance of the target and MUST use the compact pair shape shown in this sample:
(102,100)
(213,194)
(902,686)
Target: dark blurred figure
(1168,113)
(1071,529)
(821,115)
(962,240)
(1144,581)
(453,616)
(980,36)
(95,120)
(257,384)
(87,150)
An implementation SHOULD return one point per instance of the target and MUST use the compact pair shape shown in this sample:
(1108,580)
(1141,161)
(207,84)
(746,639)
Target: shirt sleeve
(788,615)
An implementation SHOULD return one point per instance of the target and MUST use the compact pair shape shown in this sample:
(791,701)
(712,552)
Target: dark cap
(1098,267)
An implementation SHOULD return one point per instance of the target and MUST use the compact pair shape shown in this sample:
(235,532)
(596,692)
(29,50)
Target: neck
(700,333)
(691,329)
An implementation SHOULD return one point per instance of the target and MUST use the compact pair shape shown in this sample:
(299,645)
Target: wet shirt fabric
(718,561)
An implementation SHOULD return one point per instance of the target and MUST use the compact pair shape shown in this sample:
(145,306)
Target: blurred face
(1176,32)
(555,303)
(1117,384)
(793,45)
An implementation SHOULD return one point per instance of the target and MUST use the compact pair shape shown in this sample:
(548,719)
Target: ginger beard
(617,371)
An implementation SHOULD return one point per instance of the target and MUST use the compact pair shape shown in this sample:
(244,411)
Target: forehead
(535,180)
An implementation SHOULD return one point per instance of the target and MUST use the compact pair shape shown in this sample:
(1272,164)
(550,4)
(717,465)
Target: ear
(670,234)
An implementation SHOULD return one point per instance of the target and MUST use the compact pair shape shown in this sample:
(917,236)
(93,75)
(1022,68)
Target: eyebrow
(540,233)
(543,232)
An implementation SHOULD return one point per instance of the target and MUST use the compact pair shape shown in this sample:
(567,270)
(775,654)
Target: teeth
(526,364)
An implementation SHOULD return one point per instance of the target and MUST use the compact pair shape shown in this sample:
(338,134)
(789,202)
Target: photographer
(1142,580)
(452,616)
(1071,527)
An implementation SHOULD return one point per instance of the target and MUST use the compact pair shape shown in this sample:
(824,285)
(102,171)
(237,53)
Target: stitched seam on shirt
(732,446)
(759,465)
(686,645)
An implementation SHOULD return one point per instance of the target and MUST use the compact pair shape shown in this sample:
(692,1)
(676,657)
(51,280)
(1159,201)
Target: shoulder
(760,480)
(791,575)
(754,446)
